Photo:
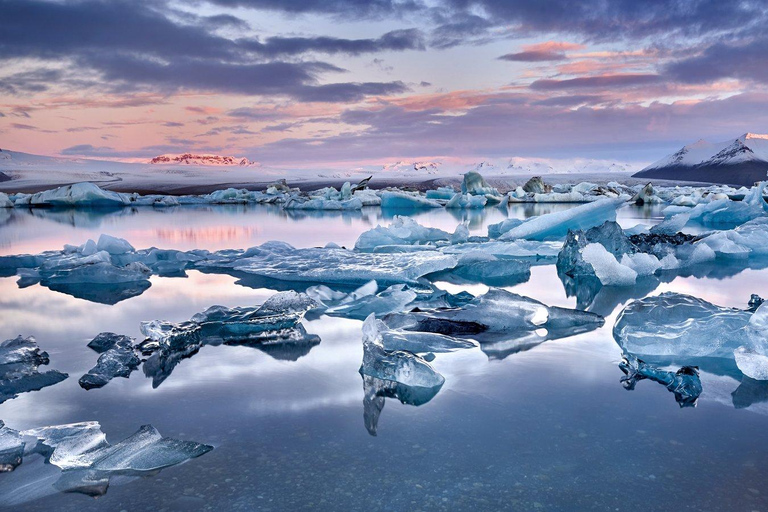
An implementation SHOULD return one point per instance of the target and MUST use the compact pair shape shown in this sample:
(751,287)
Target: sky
(291,82)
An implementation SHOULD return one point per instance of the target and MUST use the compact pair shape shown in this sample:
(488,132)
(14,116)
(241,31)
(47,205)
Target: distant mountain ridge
(200,159)
(740,161)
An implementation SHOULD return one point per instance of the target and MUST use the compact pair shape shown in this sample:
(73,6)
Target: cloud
(135,46)
(172,124)
(349,8)
(612,20)
(533,56)
(396,40)
(597,82)
(542,52)
(29,127)
(744,60)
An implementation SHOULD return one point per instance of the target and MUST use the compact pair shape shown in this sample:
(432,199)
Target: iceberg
(441,193)
(402,231)
(673,327)
(117,359)
(685,383)
(556,225)
(497,314)
(281,261)
(79,194)
(404,200)
(479,266)
(323,204)
(19,361)
(646,195)
(11,448)
(394,365)
(467,202)
(358,305)
(274,327)
(474,184)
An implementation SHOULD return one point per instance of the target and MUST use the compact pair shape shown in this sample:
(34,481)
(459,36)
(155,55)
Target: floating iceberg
(360,304)
(684,383)
(277,260)
(11,448)
(402,231)
(556,225)
(474,184)
(79,194)
(405,200)
(646,195)
(296,203)
(394,365)
(273,327)
(117,359)
(677,328)
(19,361)
(467,202)
(479,266)
(498,314)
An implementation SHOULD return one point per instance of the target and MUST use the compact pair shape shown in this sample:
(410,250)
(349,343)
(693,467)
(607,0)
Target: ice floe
(20,359)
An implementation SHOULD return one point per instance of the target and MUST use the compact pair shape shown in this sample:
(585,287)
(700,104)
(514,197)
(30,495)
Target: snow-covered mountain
(740,161)
(199,159)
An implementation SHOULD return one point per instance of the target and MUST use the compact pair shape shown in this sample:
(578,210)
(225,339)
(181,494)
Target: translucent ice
(323,204)
(498,312)
(402,231)
(467,202)
(19,361)
(394,365)
(684,383)
(84,446)
(673,327)
(11,448)
(335,265)
(406,200)
(79,194)
(555,225)
(118,359)
(359,306)
(474,184)
(607,269)
(377,390)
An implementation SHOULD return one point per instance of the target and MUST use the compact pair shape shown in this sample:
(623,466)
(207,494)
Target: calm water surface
(550,428)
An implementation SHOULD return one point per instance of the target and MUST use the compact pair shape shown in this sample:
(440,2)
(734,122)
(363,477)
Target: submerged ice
(86,461)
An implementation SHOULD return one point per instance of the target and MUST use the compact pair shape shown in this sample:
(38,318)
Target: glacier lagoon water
(548,428)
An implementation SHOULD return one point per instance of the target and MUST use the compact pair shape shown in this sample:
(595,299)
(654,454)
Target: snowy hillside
(200,159)
(740,161)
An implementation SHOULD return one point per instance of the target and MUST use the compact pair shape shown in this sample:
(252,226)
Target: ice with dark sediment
(684,383)
(495,315)
(20,359)
(682,329)
(117,358)
(400,366)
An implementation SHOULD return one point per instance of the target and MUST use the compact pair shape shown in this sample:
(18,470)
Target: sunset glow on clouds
(285,82)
